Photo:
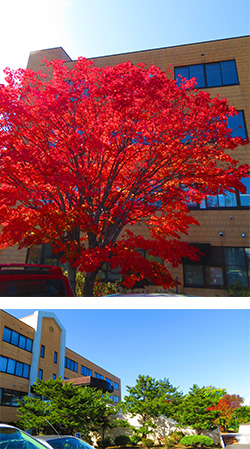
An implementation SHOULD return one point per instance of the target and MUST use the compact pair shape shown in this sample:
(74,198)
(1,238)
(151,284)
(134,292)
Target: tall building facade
(34,348)
(220,67)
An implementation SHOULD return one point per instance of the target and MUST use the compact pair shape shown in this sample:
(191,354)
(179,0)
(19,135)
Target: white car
(13,438)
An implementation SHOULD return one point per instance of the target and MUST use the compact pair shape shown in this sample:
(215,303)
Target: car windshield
(68,443)
(16,439)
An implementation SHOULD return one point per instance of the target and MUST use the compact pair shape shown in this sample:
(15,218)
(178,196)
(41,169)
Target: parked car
(64,442)
(33,280)
(14,438)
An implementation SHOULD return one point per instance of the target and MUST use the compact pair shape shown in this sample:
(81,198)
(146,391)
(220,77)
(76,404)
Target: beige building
(34,347)
(221,67)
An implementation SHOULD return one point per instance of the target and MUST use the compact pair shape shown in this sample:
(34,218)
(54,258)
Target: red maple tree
(86,152)
(226,406)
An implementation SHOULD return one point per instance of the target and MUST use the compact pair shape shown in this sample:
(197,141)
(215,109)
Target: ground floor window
(10,397)
(218,267)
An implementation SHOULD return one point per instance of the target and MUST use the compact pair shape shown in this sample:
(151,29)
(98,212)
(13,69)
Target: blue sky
(204,347)
(99,27)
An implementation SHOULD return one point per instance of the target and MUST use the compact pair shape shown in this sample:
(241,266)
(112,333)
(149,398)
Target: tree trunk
(88,289)
(72,277)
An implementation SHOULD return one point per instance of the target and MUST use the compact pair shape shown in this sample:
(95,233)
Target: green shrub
(147,442)
(173,439)
(122,440)
(197,440)
(100,288)
(104,442)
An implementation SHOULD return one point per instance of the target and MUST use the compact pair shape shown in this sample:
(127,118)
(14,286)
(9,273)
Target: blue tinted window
(55,357)
(98,376)
(116,385)
(11,366)
(14,338)
(28,344)
(183,72)
(22,342)
(42,352)
(19,369)
(3,364)
(6,334)
(197,71)
(213,74)
(229,72)
(237,124)
(26,370)
(245,197)
(40,374)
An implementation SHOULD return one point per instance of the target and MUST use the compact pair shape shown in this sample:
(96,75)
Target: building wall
(43,328)
(232,222)
(69,374)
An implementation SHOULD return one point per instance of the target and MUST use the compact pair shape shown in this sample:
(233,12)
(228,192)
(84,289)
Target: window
(14,367)
(54,376)
(86,371)
(71,364)
(98,376)
(40,374)
(16,339)
(116,399)
(116,385)
(218,268)
(10,397)
(109,381)
(238,125)
(42,351)
(108,275)
(55,357)
(214,74)
(227,200)
(245,197)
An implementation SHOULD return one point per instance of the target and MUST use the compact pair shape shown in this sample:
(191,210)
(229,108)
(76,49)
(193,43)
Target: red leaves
(100,148)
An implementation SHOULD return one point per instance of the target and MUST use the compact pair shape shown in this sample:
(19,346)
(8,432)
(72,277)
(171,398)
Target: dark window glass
(236,269)
(116,399)
(40,374)
(3,364)
(193,275)
(213,74)
(98,376)
(7,335)
(42,352)
(11,366)
(229,72)
(116,385)
(237,124)
(14,338)
(197,71)
(54,377)
(10,397)
(55,357)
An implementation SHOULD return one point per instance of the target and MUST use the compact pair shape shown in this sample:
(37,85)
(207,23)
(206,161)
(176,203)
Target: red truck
(33,280)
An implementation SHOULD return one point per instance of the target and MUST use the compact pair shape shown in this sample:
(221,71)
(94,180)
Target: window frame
(221,263)
(204,65)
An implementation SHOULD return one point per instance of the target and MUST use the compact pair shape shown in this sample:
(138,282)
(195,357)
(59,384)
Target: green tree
(68,408)
(193,410)
(242,414)
(148,399)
